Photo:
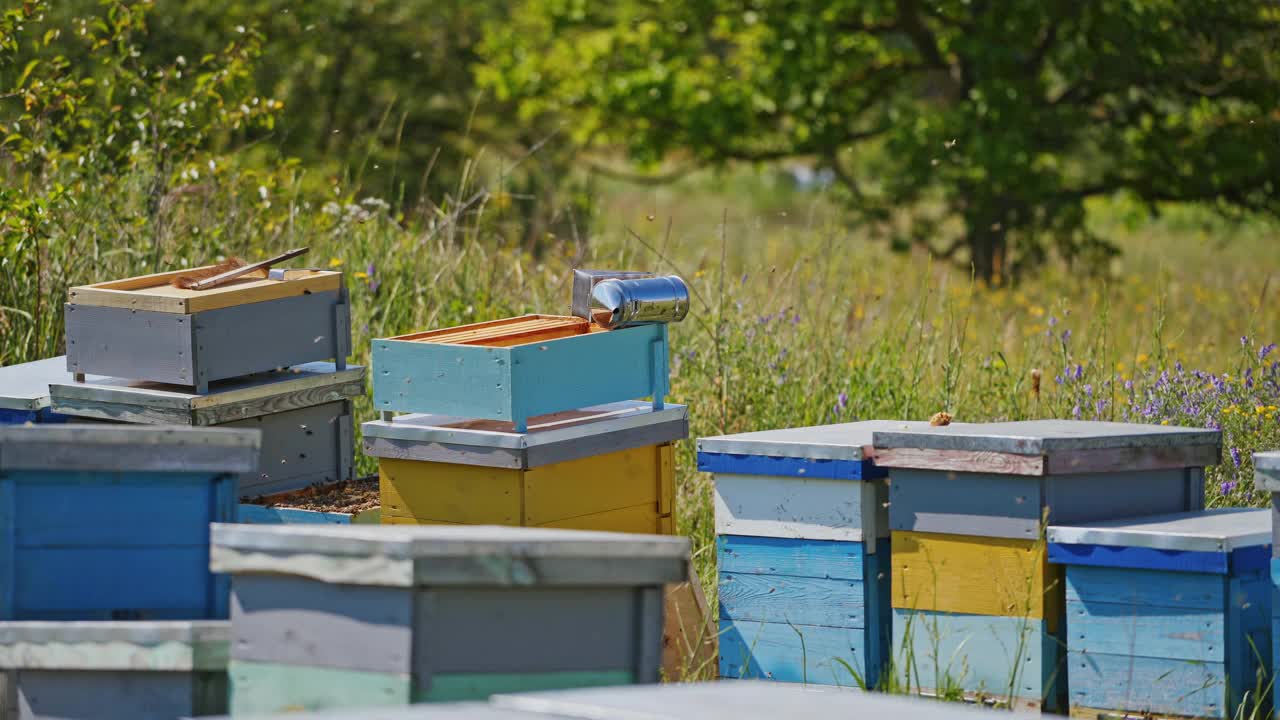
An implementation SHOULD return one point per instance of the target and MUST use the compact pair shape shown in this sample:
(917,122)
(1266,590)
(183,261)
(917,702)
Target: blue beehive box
(803,553)
(1266,469)
(24,391)
(1167,614)
(111,522)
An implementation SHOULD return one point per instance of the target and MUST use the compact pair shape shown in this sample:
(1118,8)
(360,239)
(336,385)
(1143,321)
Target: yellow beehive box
(608,467)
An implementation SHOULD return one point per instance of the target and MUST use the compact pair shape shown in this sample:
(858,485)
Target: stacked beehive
(1167,615)
(265,354)
(105,588)
(1266,468)
(803,552)
(24,391)
(977,606)
(329,616)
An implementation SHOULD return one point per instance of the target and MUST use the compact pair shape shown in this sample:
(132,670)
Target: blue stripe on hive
(730,463)
(1240,560)
(836,559)
(789,652)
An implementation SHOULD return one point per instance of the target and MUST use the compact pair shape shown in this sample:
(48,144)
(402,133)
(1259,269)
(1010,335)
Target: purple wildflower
(1052,321)
(1066,336)
(795,320)
(1244,341)
(1088,391)
(1075,412)
(1079,371)
(1057,379)
(1227,486)
(1266,350)
(1235,456)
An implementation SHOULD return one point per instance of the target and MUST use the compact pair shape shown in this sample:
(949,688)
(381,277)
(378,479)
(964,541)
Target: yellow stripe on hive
(465,494)
(637,519)
(975,575)
(595,484)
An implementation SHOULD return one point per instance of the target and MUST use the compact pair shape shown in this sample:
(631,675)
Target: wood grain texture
(997,657)
(690,640)
(300,447)
(1132,459)
(635,519)
(831,559)
(765,506)
(960,461)
(153,292)
(1144,588)
(438,492)
(975,576)
(791,653)
(796,600)
(118,342)
(597,484)
(267,689)
(1119,629)
(1147,684)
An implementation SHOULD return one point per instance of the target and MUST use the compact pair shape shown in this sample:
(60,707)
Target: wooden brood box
(516,368)
(143,328)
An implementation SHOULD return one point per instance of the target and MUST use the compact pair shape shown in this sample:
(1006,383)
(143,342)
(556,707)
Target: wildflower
(1088,391)
(1164,422)
(1066,336)
(1266,350)
(1075,412)
(1053,321)
(1235,456)
(335,262)
(1079,372)
(1227,486)
(361,275)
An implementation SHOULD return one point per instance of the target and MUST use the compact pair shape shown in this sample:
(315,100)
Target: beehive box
(111,522)
(801,528)
(113,670)
(517,368)
(976,603)
(24,391)
(304,414)
(330,615)
(1266,468)
(143,328)
(607,467)
(730,700)
(1167,615)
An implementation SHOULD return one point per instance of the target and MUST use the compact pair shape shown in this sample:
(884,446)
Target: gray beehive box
(330,616)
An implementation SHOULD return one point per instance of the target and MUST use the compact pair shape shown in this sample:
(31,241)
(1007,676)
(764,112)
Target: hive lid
(129,448)
(232,399)
(406,555)
(155,293)
(845,441)
(546,432)
(731,700)
(1215,531)
(167,645)
(1044,447)
(26,386)
(472,710)
(1266,471)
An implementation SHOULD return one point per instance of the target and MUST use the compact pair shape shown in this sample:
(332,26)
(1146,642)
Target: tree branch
(921,37)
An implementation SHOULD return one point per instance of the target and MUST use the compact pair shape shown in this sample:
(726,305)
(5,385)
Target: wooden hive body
(968,506)
(113,670)
(145,329)
(104,522)
(802,552)
(303,413)
(608,467)
(514,369)
(24,391)
(328,616)
(1167,614)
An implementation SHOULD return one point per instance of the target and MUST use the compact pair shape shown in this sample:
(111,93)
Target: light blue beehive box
(803,553)
(1167,614)
(1266,477)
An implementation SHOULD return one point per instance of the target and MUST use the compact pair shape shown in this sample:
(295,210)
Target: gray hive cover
(407,555)
(321,379)
(1266,471)
(174,645)
(1045,437)
(428,711)
(732,700)
(845,441)
(26,386)
(121,448)
(1219,530)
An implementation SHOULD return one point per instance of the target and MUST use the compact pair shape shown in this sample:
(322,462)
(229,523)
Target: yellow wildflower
(1260,409)
(1164,422)
(699,274)
(1142,357)
(362,275)
(335,262)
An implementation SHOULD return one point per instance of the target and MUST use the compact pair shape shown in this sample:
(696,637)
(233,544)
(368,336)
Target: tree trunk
(989,252)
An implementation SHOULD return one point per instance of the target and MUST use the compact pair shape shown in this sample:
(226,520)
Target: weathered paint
(975,576)
(788,507)
(792,653)
(269,688)
(264,515)
(455,687)
(518,382)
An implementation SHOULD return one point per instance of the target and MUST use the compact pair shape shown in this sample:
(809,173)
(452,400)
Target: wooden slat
(595,484)
(468,494)
(1133,459)
(960,461)
(434,335)
(689,636)
(152,292)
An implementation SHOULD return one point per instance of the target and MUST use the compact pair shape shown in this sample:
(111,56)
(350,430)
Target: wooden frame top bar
(154,293)
(507,332)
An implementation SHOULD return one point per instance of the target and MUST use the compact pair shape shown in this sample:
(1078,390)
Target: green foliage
(1005,115)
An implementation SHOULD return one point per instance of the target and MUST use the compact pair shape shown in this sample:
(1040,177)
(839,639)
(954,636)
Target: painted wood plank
(66,511)
(261,514)
(24,388)
(635,519)
(514,630)
(961,461)
(791,653)
(134,645)
(593,484)
(1073,498)
(125,448)
(451,493)
(451,380)
(1147,684)
(1090,585)
(998,656)
(1248,641)
(1044,437)
(456,687)
(1140,558)
(300,447)
(797,557)
(790,507)
(153,292)
(245,339)
(265,688)
(796,600)
(1119,629)
(120,342)
(975,575)
(734,464)
(120,583)
(1130,459)
(118,695)
(972,504)
(296,621)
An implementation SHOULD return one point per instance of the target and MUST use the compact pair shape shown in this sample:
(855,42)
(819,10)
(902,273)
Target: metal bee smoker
(584,281)
(617,303)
